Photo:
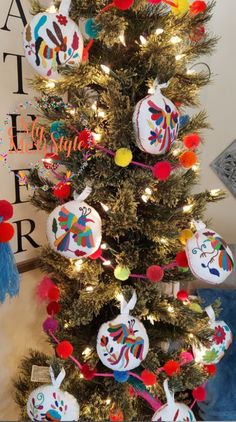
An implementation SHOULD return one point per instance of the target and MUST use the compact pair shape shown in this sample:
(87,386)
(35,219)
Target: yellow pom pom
(185,235)
(182,7)
(121,273)
(195,307)
(123,157)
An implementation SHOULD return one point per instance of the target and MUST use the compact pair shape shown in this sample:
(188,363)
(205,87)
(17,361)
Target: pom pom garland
(148,378)
(181,259)
(123,157)
(53,308)
(86,139)
(211,369)
(64,349)
(116,415)
(50,324)
(121,376)
(199,393)
(155,273)
(185,235)
(171,367)
(123,4)
(162,170)
(87,372)
(43,288)
(197,7)
(121,273)
(54,294)
(62,190)
(195,307)
(188,159)
(6,210)
(182,295)
(6,232)
(192,141)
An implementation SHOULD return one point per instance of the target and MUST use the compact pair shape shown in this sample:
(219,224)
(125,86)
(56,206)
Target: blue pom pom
(92,30)
(183,120)
(9,276)
(57,128)
(121,376)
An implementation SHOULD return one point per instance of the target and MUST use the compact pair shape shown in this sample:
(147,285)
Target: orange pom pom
(192,141)
(188,159)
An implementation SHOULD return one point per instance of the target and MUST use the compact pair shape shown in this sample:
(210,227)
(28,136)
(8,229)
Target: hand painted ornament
(219,342)
(74,228)
(122,344)
(51,40)
(49,403)
(156,123)
(208,255)
(173,411)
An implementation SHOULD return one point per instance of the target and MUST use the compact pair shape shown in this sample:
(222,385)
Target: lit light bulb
(97,136)
(144,198)
(104,246)
(108,401)
(105,69)
(164,241)
(195,167)
(94,106)
(105,207)
(170,309)
(51,9)
(188,208)
(119,297)
(86,351)
(214,192)
(179,57)
(190,71)
(191,335)
(101,114)
(122,39)
(50,84)
(89,289)
(78,264)
(143,40)
(72,111)
(107,263)
(148,191)
(66,325)
(175,40)
(159,31)
(81,376)
(151,319)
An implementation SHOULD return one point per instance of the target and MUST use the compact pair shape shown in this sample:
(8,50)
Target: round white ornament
(74,228)
(122,344)
(156,123)
(209,257)
(173,411)
(49,403)
(51,40)
(220,341)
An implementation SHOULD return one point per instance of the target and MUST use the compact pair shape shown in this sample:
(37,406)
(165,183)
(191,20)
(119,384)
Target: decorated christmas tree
(117,181)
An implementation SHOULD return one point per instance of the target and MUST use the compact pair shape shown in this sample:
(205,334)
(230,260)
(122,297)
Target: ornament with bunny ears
(209,257)
(220,341)
(51,40)
(49,403)
(74,228)
(122,344)
(156,122)
(173,411)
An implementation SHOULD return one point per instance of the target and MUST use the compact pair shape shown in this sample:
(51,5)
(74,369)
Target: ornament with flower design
(49,403)
(52,40)
(220,341)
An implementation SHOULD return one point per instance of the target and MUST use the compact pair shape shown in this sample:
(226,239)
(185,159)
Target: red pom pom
(6,232)
(162,170)
(116,415)
(181,259)
(192,141)
(53,308)
(64,349)
(155,273)
(148,377)
(199,393)
(123,4)
(86,139)
(87,372)
(197,34)
(54,294)
(211,369)
(197,7)
(50,161)
(96,254)
(182,295)
(62,190)
(171,367)
(188,159)
(6,210)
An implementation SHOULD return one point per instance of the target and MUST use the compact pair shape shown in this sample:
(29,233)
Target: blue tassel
(9,276)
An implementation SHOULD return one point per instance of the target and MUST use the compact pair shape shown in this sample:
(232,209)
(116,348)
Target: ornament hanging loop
(86,192)
(158,87)
(64,7)
(125,307)
(56,382)
(210,312)
(168,393)
(199,225)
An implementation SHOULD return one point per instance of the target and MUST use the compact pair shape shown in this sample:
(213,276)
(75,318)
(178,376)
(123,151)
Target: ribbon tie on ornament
(56,382)
(125,307)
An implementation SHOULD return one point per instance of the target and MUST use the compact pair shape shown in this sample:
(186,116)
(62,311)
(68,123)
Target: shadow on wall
(21,320)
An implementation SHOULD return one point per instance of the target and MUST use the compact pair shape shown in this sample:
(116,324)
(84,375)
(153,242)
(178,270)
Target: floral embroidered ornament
(49,403)
(122,344)
(51,40)
(173,411)
(74,228)
(220,341)
(209,257)
(156,122)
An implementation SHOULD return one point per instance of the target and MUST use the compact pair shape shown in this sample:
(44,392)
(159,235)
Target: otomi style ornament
(156,122)
(74,228)
(49,403)
(53,39)
(122,344)
(209,257)
(220,341)
(173,411)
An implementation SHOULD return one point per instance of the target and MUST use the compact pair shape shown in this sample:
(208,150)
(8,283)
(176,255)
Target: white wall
(219,100)
(20,329)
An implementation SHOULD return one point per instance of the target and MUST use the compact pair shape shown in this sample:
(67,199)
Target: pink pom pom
(185,357)
(43,288)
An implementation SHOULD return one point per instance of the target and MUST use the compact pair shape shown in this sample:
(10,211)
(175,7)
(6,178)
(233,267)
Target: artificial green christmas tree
(143,198)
